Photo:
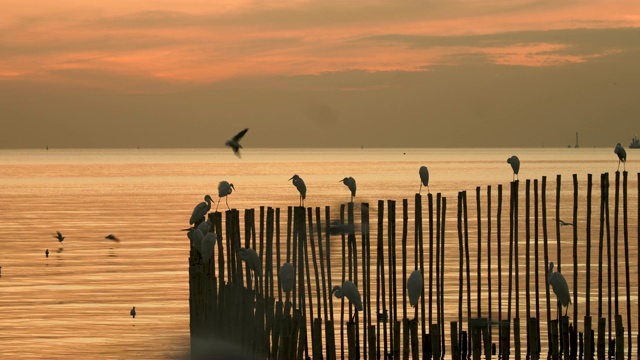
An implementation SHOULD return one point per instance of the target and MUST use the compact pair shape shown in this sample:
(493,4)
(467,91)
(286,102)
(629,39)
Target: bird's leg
(226,201)
(420,191)
(217,204)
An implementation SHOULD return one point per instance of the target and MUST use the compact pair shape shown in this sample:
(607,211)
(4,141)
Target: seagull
(59,236)
(302,188)
(234,142)
(112,237)
(133,312)
(224,189)
(622,156)
(515,165)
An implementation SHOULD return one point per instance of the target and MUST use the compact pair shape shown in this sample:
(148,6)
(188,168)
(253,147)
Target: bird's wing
(240,135)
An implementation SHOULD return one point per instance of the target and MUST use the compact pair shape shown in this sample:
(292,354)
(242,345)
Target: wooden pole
(558,241)
(380,283)
(499,246)
(575,253)
(405,321)
(545,241)
(616,210)
(426,341)
(460,264)
(435,346)
(625,229)
(608,234)
(490,316)
(442,240)
(479,257)
(527,265)
(366,279)
(329,326)
(588,330)
(393,316)
(516,324)
(537,262)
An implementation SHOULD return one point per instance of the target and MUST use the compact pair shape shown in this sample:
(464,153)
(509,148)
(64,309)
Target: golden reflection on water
(76,302)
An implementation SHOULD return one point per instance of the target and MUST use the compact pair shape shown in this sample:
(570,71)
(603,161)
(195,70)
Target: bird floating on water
(234,142)
(59,236)
(112,237)
(201,210)
(224,189)
(349,290)
(424,178)
(622,156)
(302,188)
(351,184)
(515,165)
(133,312)
(560,287)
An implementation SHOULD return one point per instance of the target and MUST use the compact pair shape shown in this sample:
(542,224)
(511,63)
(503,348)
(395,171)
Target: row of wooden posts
(242,304)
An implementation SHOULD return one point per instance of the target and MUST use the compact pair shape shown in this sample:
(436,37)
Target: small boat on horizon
(635,143)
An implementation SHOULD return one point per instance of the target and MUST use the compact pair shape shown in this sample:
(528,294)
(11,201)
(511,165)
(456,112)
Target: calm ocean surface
(76,302)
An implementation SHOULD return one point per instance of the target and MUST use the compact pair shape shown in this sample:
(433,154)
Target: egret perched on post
(351,184)
(208,243)
(286,276)
(59,236)
(349,290)
(622,156)
(302,188)
(515,165)
(424,178)
(196,236)
(560,287)
(234,142)
(201,210)
(252,259)
(415,284)
(224,189)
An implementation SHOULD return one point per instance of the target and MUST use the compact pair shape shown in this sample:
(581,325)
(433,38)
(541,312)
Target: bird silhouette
(286,276)
(560,287)
(424,178)
(46,253)
(415,284)
(351,184)
(59,236)
(234,142)
(622,156)
(201,210)
(112,237)
(349,290)
(208,243)
(302,188)
(133,312)
(564,223)
(196,236)
(251,258)
(224,189)
(515,165)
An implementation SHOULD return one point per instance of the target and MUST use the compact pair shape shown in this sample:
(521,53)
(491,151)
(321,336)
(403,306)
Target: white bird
(201,210)
(349,290)
(207,246)
(112,237)
(224,189)
(415,284)
(234,142)
(515,165)
(351,184)
(59,236)
(204,226)
(133,312)
(250,256)
(286,276)
(560,287)
(302,188)
(196,236)
(424,178)
(622,156)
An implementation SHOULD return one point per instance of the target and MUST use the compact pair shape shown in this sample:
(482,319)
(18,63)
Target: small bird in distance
(59,236)
(112,237)
(133,312)
(234,142)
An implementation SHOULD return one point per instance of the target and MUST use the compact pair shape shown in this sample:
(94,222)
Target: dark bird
(564,223)
(351,184)
(133,312)
(560,287)
(515,165)
(234,142)
(286,277)
(224,189)
(622,156)
(349,290)
(201,210)
(46,253)
(112,237)
(424,178)
(59,236)
(302,188)
(415,284)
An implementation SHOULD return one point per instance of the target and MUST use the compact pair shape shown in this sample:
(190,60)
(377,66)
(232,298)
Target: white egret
(424,178)
(622,156)
(415,284)
(515,165)
(252,259)
(112,237)
(196,236)
(224,189)
(208,243)
(133,312)
(351,184)
(560,287)
(234,142)
(59,236)
(205,226)
(201,210)
(286,276)
(349,290)
(302,188)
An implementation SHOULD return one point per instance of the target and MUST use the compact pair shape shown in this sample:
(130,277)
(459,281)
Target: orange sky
(165,47)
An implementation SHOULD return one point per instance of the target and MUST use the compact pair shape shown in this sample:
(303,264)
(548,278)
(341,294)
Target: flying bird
(515,165)
(112,237)
(224,189)
(415,284)
(234,142)
(201,210)
(59,236)
(560,287)
(286,276)
(349,290)
(424,178)
(302,188)
(133,312)
(351,184)
(622,156)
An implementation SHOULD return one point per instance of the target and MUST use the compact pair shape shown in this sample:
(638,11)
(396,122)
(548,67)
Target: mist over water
(76,302)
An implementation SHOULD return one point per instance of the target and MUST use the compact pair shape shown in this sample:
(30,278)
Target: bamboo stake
(545,239)
(499,246)
(558,241)
(436,345)
(405,220)
(490,316)
(442,239)
(527,265)
(516,324)
(366,277)
(616,210)
(380,283)
(460,264)
(625,230)
(479,258)
(391,204)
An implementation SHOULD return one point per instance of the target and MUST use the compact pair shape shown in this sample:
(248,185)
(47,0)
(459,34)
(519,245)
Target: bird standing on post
(286,275)
(224,189)
(302,188)
(560,287)
(251,258)
(622,156)
(424,178)
(351,184)
(415,284)
(515,165)
(349,290)
(201,210)
(234,142)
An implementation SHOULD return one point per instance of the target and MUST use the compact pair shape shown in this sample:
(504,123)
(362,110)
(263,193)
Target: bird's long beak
(290,178)
(233,187)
